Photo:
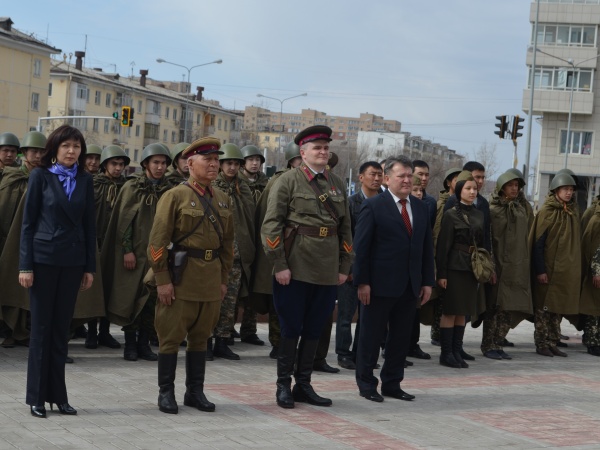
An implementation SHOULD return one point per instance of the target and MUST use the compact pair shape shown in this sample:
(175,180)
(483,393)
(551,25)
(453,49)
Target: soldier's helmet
(291,151)
(34,139)
(94,149)
(562,179)
(177,151)
(113,151)
(570,172)
(506,177)
(252,150)
(155,149)
(450,173)
(231,151)
(9,139)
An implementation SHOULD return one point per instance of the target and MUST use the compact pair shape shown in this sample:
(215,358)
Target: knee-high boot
(285,369)
(457,343)
(447,357)
(143,347)
(167,365)
(303,391)
(130,353)
(195,369)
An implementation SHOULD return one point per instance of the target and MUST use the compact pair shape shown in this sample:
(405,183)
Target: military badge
(273,243)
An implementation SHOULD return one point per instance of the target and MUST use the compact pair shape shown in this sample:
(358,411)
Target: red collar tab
(310,174)
(200,188)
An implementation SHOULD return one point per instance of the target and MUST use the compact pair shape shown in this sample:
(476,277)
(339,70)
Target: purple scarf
(66,176)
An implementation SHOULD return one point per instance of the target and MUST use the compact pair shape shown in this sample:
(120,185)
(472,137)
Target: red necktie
(405,217)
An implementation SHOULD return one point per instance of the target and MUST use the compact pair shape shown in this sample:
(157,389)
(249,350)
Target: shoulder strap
(212,217)
(324,198)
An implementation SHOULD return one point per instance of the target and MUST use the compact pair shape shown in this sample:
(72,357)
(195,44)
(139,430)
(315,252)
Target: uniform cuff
(280,264)
(345,267)
(162,278)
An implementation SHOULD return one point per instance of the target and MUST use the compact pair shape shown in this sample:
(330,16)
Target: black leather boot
(143,347)
(303,391)
(457,343)
(447,357)
(91,340)
(130,353)
(167,365)
(209,350)
(195,369)
(104,336)
(222,350)
(285,369)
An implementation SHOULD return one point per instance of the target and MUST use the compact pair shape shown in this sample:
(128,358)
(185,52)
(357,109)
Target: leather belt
(317,231)
(206,255)
(464,248)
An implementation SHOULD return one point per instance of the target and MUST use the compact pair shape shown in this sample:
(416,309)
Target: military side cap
(416,181)
(203,146)
(465,175)
(314,133)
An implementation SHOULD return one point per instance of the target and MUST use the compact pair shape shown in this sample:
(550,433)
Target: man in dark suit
(393,269)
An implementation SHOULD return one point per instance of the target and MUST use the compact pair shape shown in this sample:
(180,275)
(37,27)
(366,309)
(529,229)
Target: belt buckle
(472,248)
(208,255)
(323,231)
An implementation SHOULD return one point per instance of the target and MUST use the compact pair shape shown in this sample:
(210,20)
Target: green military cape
(124,290)
(588,213)
(256,187)
(174,177)
(510,226)
(589,302)
(105,195)
(243,224)
(12,188)
(562,257)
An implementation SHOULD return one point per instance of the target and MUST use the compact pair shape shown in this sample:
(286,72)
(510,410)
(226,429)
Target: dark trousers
(397,315)
(416,330)
(303,308)
(324,341)
(347,304)
(52,302)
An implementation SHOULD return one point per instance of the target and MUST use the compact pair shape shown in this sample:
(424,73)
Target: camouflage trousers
(495,329)
(437,316)
(547,329)
(145,319)
(227,315)
(591,331)
(249,316)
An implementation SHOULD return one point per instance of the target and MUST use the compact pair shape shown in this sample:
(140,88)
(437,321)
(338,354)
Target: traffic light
(514,133)
(116,115)
(125,116)
(502,125)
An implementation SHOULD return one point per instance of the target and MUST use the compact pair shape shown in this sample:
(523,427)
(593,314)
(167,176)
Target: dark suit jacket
(57,231)
(386,257)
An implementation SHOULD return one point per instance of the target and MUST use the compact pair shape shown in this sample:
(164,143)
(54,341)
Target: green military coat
(257,186)
(589,302)
(174,177)
(243,219)
(12,188)
(291,202)
(133,214)
(105,195)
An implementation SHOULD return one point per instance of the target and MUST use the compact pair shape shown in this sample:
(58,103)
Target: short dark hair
(366,165)
(57,137)
(473,165)
(402,160)
(420,163)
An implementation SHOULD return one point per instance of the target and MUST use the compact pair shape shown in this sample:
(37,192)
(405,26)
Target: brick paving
(530,402)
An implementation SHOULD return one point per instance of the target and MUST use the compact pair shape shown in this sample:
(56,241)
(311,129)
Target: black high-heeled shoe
(38,411)
(64,408)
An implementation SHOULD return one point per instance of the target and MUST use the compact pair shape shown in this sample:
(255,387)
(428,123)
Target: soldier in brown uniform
(306,234)
(196,219)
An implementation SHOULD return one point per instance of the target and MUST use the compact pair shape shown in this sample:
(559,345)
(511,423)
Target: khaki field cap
(203,146)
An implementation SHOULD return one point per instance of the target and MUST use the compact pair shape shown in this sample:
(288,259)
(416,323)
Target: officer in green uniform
(197,219)
(107,185)
(306,234)
(251,173)
(9,147)
(124,263)
(92,159)
(261,292)
(179,171)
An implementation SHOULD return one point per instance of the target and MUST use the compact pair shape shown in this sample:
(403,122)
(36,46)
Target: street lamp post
(281,115)
(573,66)
(187,97)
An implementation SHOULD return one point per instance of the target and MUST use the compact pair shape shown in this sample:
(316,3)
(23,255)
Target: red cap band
(205,149)
(315,137)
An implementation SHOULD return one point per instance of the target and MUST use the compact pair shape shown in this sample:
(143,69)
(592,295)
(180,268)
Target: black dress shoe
(325,368)
(397,393)
(38,411)
(505,343)
(408,363)
(503,354)
(492,354)
(69,360)
(561,344)
(65,408)
(107,340)
(346,363)
(374,396)
(274,352)
(418,353)
(253,339)
(235,334)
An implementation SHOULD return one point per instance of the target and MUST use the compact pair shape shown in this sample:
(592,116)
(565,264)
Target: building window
(212,120)
(174,114)
(165,134)
(81,91)
(97,97)
(226,123)
(50,90)
(580,142)
(572,35)
(267,138)
(198,116)
(173,137)
(379,141)
(35,101)
(37,68)
(219,124)
(167,110)
(96,125)
(151,131)
(106,126)
(108,100)
(140,106)
(562,78)
(135,154)
(137,130)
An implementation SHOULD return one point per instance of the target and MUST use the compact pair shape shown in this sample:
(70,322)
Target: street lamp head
(160,60)
(259,95)
(218,61)
(303,95)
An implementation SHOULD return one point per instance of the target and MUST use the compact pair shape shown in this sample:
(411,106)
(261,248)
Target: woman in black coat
(57,259)
(461,225)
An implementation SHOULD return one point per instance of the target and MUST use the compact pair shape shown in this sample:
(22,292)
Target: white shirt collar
(397,199)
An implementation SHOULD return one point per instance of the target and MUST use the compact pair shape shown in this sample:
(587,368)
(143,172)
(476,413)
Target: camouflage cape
(124,290)
(562,257)
(510,230)
(589,302)
(105,195)
(243,224)
(89,304)
(12,187)
(256,187)
(174,177)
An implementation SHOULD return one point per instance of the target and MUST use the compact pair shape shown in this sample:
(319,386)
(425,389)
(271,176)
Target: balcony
(558,101)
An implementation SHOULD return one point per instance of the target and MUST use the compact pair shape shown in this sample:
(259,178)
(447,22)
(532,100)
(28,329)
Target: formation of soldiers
(539,259)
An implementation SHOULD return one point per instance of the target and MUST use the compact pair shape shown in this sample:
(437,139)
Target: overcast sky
(444,68)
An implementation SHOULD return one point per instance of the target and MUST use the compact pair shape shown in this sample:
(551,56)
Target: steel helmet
(177,150)
(517,172)
(291,151)
(507,176)
(9,139)
(94,149)
(450,173)
(155,149)
(113,151)
(562,179)
(570,172)
(252,150)
(34,139)
(231,151)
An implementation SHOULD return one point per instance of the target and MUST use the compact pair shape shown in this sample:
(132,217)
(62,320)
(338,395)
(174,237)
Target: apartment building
(159,109)
(565,79)
(24,74)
